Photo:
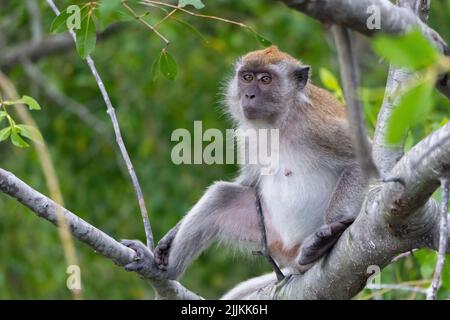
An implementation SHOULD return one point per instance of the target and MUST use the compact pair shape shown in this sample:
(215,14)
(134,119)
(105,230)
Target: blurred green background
(92,176)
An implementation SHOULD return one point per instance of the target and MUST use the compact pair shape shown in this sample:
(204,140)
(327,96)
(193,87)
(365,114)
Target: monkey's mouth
(251,113)
(255,113)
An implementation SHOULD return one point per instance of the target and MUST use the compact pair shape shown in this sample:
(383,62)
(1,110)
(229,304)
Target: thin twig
(240,24)
(350,81)
(404,255)
(167,16)
(265,250)
(148,25)
(443,234)
(112,114)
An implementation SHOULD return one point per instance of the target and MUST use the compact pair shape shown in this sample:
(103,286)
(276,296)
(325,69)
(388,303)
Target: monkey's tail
(242,290)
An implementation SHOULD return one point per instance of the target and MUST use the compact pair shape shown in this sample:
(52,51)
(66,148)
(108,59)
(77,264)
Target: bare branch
(443,234)
(96,239)
(112,114)
(404,255)
(350,81)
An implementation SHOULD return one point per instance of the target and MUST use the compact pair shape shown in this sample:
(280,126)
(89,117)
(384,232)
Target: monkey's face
(265,91)
(259,92)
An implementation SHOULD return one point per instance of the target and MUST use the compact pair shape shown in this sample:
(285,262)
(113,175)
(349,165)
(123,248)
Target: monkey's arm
(343,208)
(225,212)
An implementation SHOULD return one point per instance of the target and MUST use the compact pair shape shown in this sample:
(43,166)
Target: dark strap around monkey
(265,249)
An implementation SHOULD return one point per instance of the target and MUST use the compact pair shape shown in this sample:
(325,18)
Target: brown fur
(270,55)
(328,124)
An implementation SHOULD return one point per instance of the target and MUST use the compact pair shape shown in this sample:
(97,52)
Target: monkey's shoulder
(325,102)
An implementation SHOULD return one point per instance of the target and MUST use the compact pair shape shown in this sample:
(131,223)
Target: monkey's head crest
(270,55)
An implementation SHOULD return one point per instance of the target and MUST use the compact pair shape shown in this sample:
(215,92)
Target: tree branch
(99,241)
(354,15)
(386,155)
(48,46)
(350,80)
(443,235)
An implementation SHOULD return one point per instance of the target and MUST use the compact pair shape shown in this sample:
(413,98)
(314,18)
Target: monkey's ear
(301,75)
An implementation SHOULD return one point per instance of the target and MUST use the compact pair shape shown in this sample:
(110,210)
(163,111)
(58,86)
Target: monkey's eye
(247,77)
(266,79)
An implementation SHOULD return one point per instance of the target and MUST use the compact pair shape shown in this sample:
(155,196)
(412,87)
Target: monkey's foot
(144,261)
(317,244)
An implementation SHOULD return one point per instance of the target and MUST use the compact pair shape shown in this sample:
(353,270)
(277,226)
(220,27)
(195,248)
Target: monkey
(309,200)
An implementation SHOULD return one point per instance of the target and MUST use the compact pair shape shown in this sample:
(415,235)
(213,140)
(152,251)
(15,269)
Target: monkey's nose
(249,96)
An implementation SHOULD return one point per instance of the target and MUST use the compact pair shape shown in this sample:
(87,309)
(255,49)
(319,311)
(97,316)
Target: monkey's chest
(295,200)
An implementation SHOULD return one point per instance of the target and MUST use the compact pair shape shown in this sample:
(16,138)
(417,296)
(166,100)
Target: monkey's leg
(225,212)
(320,241)
(343,208)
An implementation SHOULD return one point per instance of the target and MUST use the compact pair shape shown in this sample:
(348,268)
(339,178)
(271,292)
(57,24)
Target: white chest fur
(297,195)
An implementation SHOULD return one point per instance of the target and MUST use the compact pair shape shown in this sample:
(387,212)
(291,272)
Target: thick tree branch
(348,66)
(90,235)
(354,15)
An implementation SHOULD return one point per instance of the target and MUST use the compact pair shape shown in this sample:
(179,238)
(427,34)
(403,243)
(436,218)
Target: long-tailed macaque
(314,193)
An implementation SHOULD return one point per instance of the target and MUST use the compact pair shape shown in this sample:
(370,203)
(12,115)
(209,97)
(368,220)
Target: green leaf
(59,24)
(331,83)
(30,132)
(155,68)
(427,261)
(168,65)
(198,4)
(329,80)
(263,41)
(412,50)
(414,105)
(17,140)
(2,115)
(5,133)
(30,102)
(86,36)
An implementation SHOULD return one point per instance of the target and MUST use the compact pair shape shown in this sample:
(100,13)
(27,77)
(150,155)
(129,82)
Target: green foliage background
(93,180)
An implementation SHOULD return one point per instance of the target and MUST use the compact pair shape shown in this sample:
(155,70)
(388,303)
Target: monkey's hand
(317,244)
(162,250)
(144,261)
